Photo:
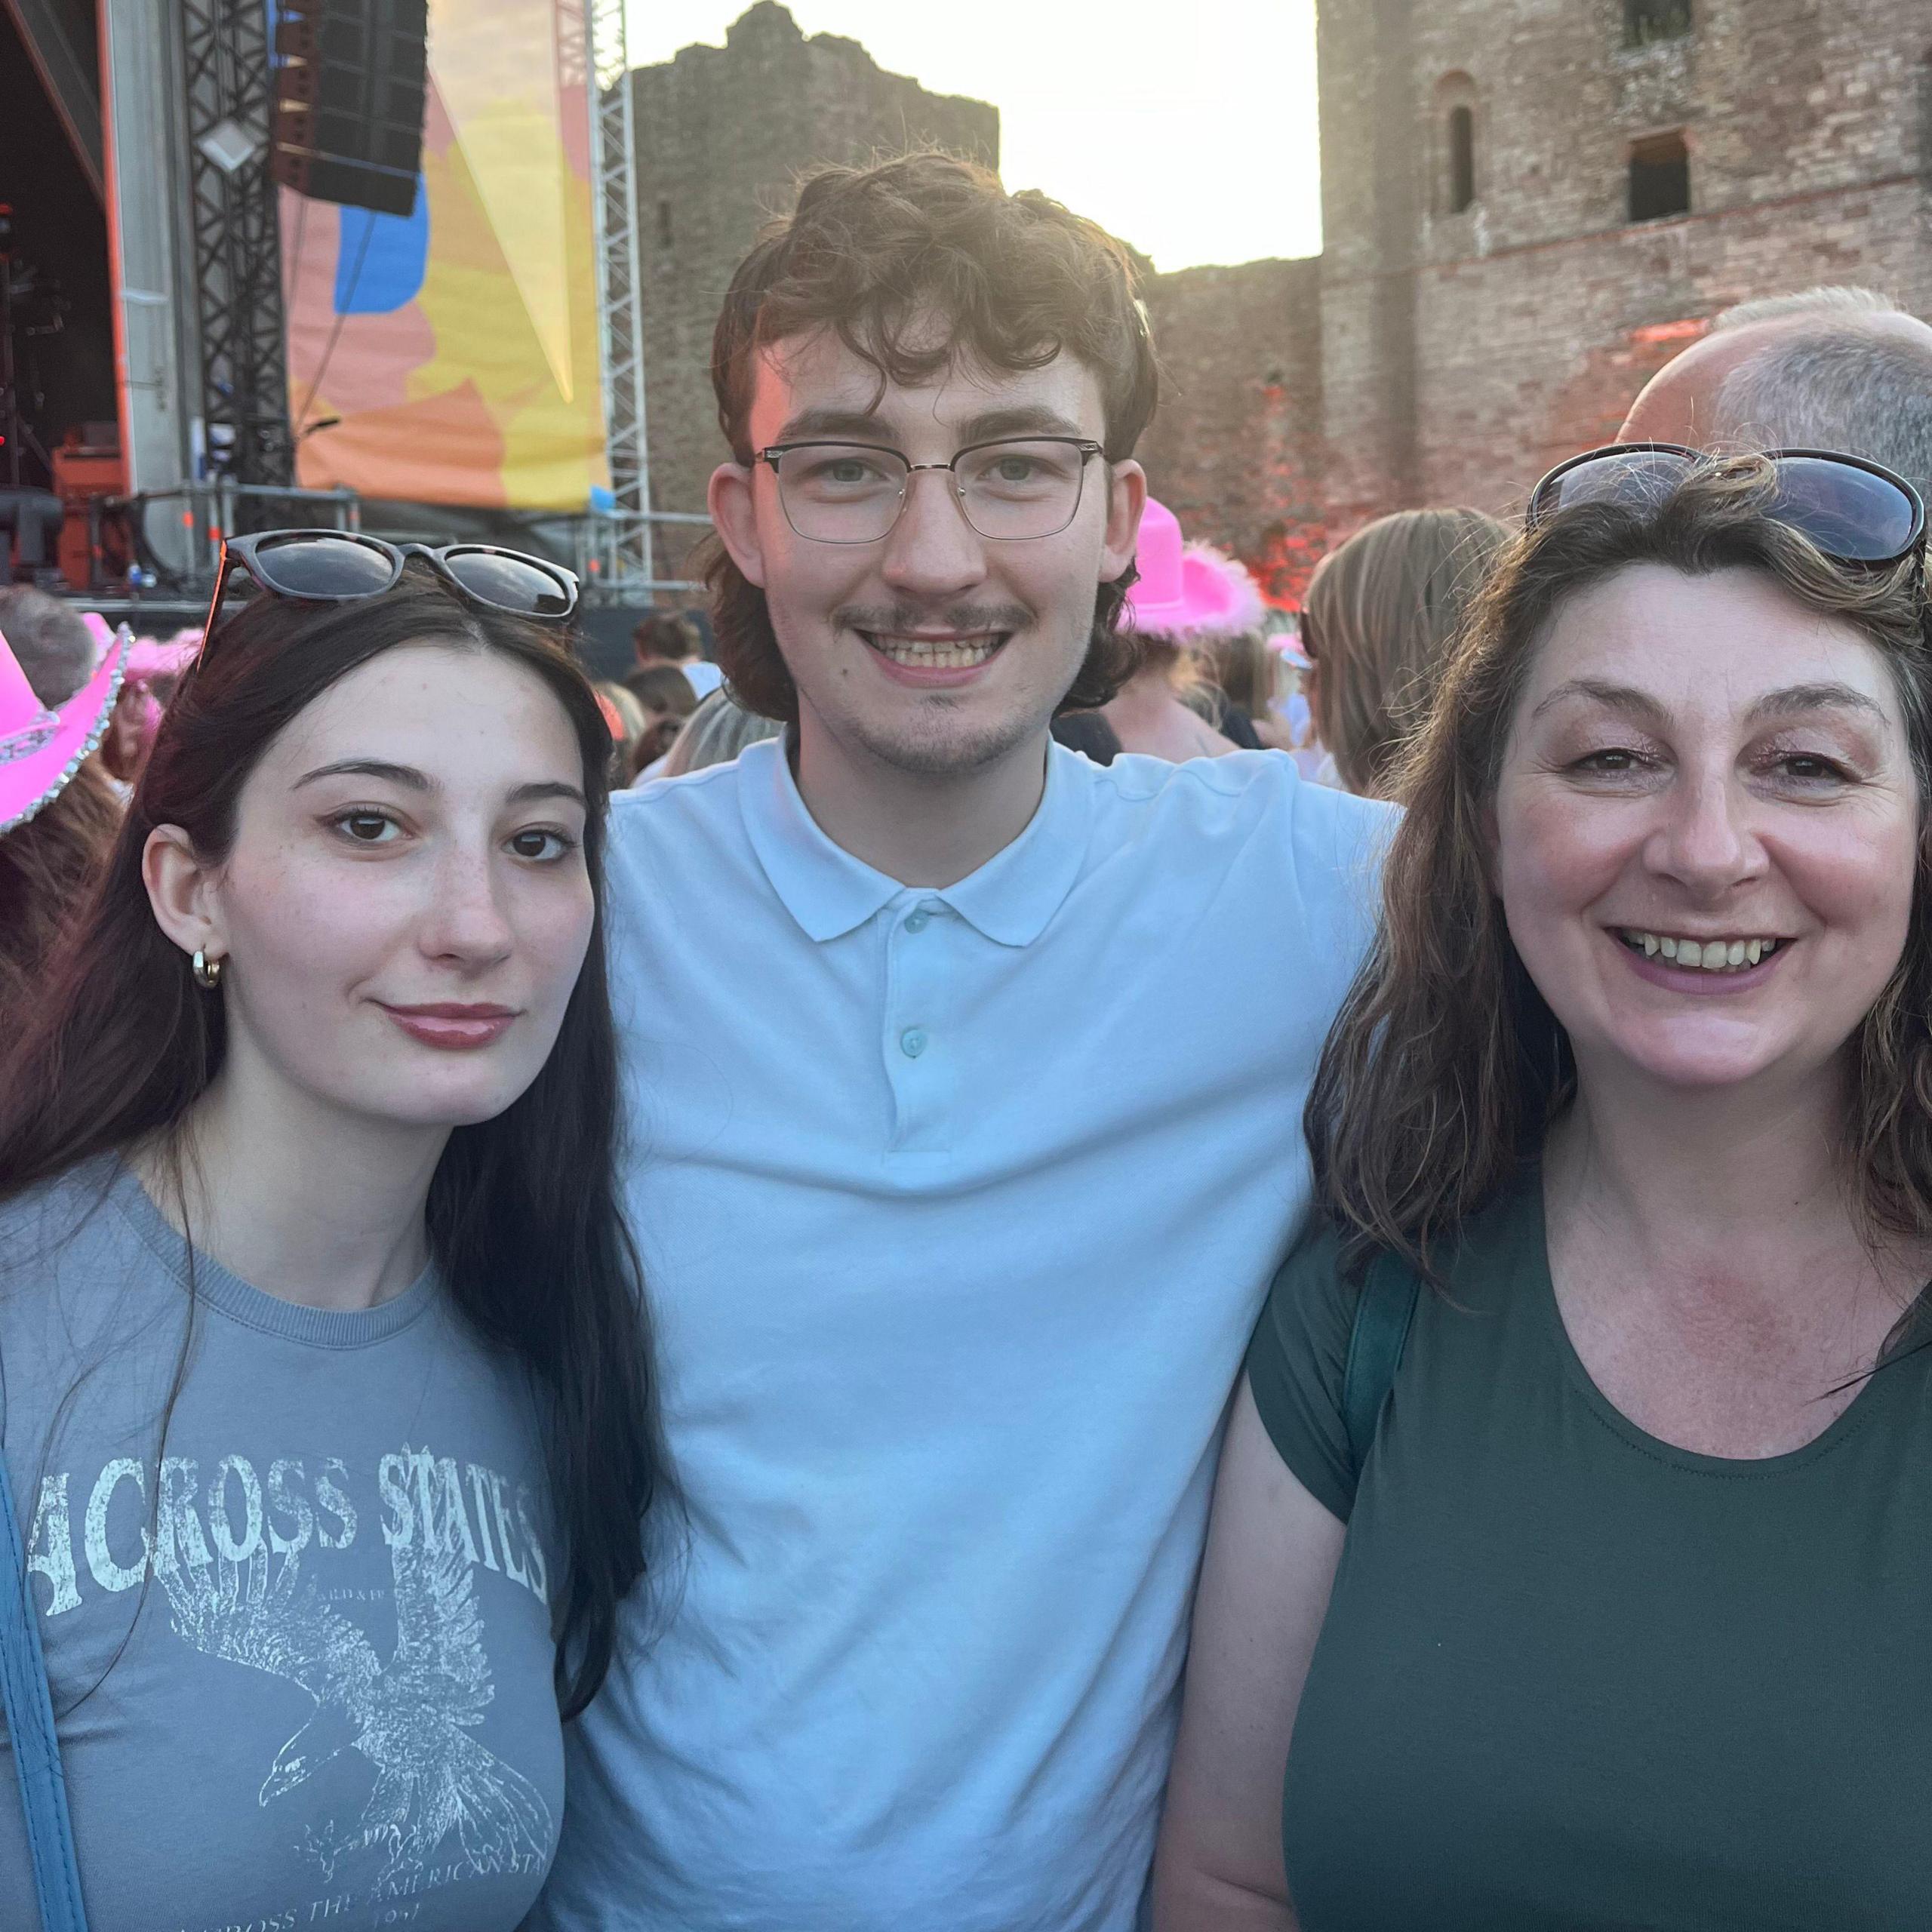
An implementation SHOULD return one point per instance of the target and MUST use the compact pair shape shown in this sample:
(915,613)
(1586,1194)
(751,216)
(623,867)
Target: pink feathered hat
(40,748)
(1187,591)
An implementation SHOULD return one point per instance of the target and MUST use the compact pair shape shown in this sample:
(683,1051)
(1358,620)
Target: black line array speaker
(350,90)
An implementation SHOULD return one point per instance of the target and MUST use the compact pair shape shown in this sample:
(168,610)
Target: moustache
(965,620)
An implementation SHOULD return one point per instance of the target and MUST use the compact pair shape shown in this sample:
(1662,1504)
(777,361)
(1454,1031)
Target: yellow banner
(458,345)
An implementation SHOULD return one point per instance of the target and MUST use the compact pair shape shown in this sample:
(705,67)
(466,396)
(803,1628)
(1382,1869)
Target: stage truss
(629,560)
(236,237)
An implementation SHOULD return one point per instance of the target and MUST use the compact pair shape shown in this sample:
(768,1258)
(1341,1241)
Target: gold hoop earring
(206,971)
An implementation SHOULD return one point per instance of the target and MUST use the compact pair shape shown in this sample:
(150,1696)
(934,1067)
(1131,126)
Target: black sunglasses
(339,567)
(1855,512)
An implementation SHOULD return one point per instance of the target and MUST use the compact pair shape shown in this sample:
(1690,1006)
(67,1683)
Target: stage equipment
(11,427)
(630,565)
(88,470)
(349,100)
(237,241)
(458,346)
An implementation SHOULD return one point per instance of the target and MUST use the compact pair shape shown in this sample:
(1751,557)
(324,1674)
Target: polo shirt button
(912,1042)
(918,922)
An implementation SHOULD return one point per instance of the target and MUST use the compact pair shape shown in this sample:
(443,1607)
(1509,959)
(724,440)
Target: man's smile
(937,650)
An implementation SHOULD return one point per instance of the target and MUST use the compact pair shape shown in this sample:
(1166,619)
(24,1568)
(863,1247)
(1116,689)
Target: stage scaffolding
(627,561)
(235,231)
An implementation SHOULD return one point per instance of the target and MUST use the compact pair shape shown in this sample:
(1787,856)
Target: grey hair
(52,646)
(715,734)
(1828,299)
(1868,394)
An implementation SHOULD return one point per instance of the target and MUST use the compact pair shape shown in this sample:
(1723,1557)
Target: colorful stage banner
(458,346)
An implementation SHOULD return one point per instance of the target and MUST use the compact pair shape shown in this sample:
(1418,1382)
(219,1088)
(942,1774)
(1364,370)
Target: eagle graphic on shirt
(410,1718)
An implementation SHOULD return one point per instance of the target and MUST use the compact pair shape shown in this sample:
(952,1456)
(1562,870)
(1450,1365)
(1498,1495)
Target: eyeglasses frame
(1533,520)
(239,552)
(774,452)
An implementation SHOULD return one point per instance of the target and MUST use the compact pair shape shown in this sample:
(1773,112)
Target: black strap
(1383,1313)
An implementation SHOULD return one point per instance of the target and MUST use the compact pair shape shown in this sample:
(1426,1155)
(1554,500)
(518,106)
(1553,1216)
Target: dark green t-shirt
(1573,1677)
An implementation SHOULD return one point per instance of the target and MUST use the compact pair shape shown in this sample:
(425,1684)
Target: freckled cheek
(553,922)
(1859,883)
(1555,861)
(318,929)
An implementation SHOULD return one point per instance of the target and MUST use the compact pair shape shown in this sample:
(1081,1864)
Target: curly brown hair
(1445,1066)
(870,252)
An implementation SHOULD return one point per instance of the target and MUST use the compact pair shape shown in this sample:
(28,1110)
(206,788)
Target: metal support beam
(230,86)
(155,372)
(621,320)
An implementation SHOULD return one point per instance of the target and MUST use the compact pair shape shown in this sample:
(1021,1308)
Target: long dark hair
(46,867)
(1446,1066)
(523,1218)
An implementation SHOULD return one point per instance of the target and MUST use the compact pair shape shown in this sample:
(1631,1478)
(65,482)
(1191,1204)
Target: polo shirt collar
(829,893)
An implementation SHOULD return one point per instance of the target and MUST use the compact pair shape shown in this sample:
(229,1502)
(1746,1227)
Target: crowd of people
(1025,1251)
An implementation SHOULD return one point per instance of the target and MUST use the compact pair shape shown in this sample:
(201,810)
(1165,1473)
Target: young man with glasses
(967,1078)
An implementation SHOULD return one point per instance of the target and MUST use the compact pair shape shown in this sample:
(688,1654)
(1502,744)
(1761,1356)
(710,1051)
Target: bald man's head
(1787,375)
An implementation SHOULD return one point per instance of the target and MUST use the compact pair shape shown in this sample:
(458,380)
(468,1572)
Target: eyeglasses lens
(1847,513)
(835,492)
(1014,489)
(511,583)
(324,567)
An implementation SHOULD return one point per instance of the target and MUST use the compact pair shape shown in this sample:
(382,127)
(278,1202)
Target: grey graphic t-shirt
(300,1651)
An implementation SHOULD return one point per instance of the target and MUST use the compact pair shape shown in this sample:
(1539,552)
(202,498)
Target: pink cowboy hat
(1187,590)
(40,750)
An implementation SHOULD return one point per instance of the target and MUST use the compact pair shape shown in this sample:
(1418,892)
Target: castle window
(1461,158)
(1646,20)
(1659,177)
(663,224)
(1925,119)
(1454,142)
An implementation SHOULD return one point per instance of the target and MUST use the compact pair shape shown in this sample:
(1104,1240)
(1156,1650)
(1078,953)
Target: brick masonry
(1427,356)
(1522,327)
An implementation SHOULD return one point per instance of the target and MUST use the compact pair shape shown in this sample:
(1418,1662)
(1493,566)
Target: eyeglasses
(339,567)
(1855,512)
(1010,491)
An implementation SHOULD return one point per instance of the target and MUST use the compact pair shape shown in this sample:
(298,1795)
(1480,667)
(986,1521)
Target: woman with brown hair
(1381,614)
(1572,1520)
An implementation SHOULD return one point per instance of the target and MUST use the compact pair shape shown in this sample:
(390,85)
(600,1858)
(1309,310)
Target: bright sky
(1188,129)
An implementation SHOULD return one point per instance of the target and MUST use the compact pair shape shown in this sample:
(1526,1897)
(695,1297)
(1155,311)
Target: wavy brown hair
(872,253)
(1445,1066)
(47,867)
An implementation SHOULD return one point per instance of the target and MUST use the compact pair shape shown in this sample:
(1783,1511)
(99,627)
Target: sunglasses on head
(1855,512)
(341,566)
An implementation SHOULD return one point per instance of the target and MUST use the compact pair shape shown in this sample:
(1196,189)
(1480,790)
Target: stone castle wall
(1429,356)
(1522,326)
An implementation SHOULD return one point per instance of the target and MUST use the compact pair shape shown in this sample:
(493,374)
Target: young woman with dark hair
(327,1405)
(1569,1546)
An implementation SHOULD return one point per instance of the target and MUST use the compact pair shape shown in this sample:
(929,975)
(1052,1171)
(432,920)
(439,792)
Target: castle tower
(1529,206)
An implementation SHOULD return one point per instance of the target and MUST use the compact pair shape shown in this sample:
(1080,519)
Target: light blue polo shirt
(956,1207)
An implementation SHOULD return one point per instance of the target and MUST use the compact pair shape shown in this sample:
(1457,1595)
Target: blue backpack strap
(29,1708)
(1383,1312)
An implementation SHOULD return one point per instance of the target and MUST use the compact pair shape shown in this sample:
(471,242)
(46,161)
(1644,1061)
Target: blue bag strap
(57,1877)
(1383,1312)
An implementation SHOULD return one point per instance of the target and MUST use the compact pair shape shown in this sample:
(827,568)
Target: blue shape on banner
(603,502)
(380,259)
